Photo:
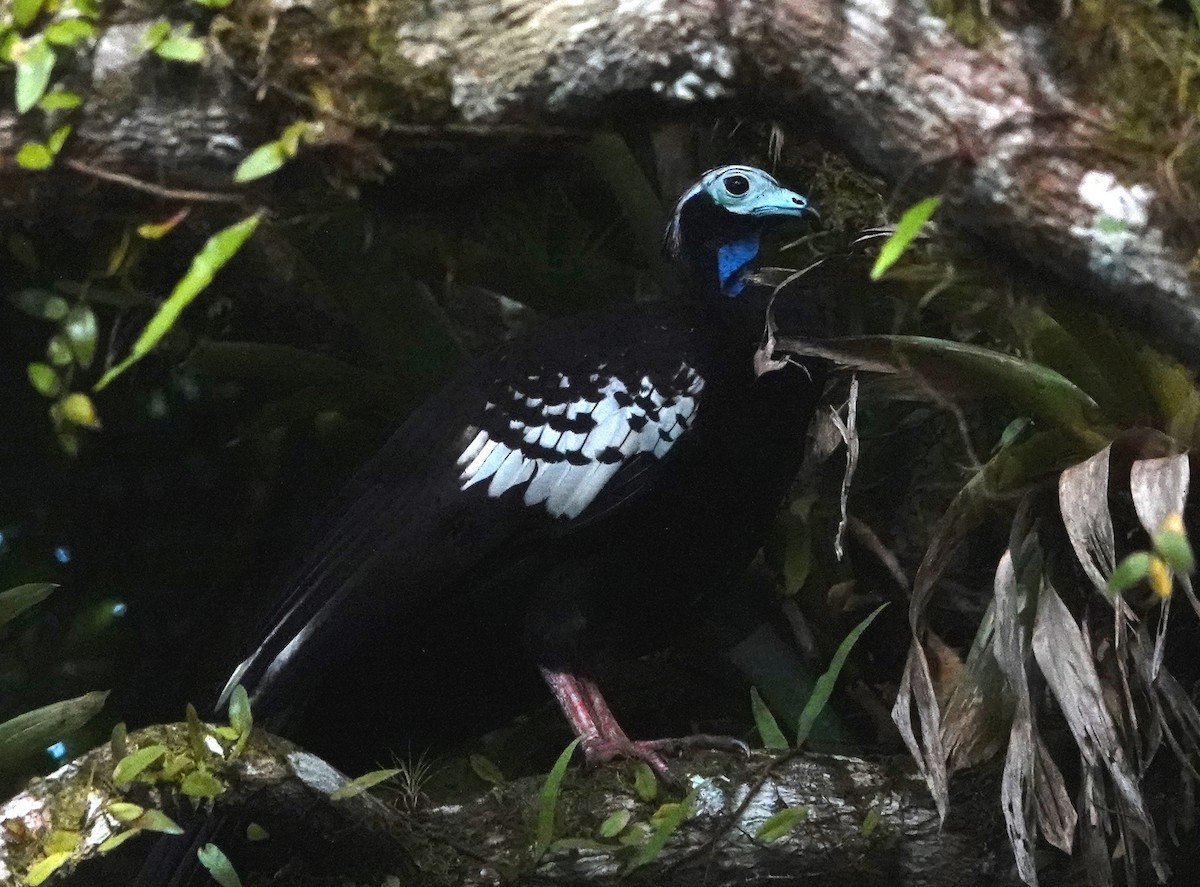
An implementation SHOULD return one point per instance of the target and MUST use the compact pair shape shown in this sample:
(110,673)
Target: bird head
(717,224)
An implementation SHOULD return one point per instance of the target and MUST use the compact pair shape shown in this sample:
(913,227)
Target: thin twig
(136,184)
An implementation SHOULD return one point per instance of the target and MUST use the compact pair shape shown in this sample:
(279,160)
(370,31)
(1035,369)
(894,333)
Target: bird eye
(737,185)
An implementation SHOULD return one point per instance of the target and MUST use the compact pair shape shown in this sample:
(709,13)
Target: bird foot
(602,749)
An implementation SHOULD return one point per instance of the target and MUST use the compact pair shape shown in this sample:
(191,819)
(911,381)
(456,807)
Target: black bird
(622,463)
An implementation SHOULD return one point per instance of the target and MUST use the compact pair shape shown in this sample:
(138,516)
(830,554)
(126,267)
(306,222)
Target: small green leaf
(159,230)
(117,840)
(69,31)
(44,379)
(35,156)
(60,100)
(218,250)
(124,812)
(25,11)
(177,48)
(871,821)
(132,765)
(117,741)
(362,783)
(78,409)
(636,835)
(1174,548)
(41,304)
(645,783)
(196,733)
(214,4)
(779,824)
(615,823)
(240,718)
(262,161)
(218,866)
(824,686)
(34,730)
(62,840)
(907,228)
(290,138)
(1132,570)
(58,351)
(156,33)
(34,62)
(486,770)
(768,727)
(81,329)
(669,820)
(17,600)
(157,821)
(201,784)
(58,138)
(255,832)
(44,868)
(548,800)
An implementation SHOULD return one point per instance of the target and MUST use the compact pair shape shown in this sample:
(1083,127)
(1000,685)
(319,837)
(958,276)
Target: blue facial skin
(732,259)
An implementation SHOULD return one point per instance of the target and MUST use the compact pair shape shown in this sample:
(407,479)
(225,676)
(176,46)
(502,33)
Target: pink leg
(601,736)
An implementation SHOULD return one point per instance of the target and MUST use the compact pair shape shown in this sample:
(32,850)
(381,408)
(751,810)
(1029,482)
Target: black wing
(541,437)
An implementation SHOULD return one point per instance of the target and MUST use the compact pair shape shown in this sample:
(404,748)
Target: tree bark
(994,127)
(863,821)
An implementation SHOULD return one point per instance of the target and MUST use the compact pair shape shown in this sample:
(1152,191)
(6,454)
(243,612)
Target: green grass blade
(548,800)
(824,688)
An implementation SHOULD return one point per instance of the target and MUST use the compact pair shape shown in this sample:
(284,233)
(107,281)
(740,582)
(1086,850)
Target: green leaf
(81,329)
(486,769)
(262,161)
(779,824)
(949,369)
(34,156)
(44,868)
(768,727)
(156,33)
(218,250)
(255,832)
(60,100)
(17,600)
(871,821)
(615,823)
(201,784)
(58,138)
(34,65)
(671,816)
(907,228)
(58,351)
(44,379)
(289,140)
(25,11)
(69,31)
(124,812)
(196,733)
(78,409)
(42,304)
(824,688)
(117,840)
(548,800)
(218,866)
(34,730)
(132,765)
(362,783)
(177,48)
(157,821)
(1175,549)
(214,4)
(1129,572)
(117,740)
(645,783)
(159,230)
(241,718)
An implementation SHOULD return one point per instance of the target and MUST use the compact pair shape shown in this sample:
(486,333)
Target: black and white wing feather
(538,439)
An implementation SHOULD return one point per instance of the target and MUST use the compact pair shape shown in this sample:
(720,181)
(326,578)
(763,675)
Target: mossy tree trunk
(1024,151)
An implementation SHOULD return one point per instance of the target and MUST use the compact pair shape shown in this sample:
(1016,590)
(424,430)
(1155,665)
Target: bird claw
(602,749)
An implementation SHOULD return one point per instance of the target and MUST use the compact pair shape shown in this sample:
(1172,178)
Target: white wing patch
(567,450)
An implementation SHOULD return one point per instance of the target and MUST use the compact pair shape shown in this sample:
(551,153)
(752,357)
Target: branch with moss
(804,815)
